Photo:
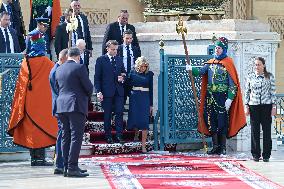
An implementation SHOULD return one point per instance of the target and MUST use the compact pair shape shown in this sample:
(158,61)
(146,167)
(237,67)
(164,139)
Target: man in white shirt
(115,30)
(8,36)
(84,57)
(16,19)
(83,30)
(129,53)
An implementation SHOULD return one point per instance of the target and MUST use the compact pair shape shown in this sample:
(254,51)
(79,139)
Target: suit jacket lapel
(120,50)
(2,8)
(2,40)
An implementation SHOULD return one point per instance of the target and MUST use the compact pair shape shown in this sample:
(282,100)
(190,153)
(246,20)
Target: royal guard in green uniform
(221,110)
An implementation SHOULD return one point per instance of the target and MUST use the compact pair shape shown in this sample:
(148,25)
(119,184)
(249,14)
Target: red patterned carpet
(177,171)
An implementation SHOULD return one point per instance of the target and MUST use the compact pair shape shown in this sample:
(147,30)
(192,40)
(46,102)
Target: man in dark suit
(84,57)
(129,53)
(8,36)
(83,30)
(109,78)
(75,88)
(114,31)
(61,35)
(16,18)
(54,91)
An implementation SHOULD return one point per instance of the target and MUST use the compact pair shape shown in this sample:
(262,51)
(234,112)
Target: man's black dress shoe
(82,170)
(256,159)
(58,171)
(76,174)
(109,140)
(265,159)
(119,140)
(65,172)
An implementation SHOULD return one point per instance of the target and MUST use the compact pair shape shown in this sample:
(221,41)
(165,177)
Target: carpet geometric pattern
(167,171)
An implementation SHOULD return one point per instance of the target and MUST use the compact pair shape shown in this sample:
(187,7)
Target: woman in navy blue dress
(141,98)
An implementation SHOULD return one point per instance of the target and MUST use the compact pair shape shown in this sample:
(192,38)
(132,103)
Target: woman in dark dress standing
(141,98)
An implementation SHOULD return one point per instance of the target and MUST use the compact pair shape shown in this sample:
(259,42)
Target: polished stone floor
(19,175)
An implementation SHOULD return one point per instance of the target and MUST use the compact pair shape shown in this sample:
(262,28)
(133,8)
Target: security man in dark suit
(75,88)
(114,31)
(16,18)
(83,30)
(8,36)
(109,78)
(61,35)
(59,165)
(129,53)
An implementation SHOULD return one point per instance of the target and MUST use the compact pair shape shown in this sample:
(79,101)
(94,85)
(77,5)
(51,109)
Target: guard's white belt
(140,89)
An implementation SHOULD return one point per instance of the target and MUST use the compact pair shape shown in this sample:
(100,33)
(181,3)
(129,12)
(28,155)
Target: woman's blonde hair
(138,63)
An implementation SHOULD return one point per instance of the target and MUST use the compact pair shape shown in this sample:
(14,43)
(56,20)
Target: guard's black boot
(216,147)
(38,157)
(222,139)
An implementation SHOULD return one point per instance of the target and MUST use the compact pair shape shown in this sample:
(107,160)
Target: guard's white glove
(188,67)
(228,104)
(48,10)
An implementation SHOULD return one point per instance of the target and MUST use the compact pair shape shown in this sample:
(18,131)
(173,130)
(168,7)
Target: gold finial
(214,38)
(205,148)
(180,28)
(161,43)
(73,25)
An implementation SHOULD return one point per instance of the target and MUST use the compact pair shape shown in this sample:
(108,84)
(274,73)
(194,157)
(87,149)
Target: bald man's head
(81,44)
(63,56)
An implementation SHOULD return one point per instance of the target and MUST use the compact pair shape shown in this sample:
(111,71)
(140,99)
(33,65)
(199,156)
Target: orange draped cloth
(56,13)
(237,118)
(31,123)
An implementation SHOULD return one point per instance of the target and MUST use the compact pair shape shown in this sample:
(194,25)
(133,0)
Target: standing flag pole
(181,29)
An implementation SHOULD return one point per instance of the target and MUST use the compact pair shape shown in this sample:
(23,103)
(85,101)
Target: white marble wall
(247,40)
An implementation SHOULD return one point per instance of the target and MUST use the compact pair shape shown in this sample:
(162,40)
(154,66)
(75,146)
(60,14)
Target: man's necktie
(122,31)
(113,63)
(128,59)
(74,38)
(8,48)
(81,59)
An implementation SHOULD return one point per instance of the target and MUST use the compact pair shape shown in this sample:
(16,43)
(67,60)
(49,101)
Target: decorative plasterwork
(277,24)
(96,16)
(227,6)
(260,49)
(241,6)
(236,48)
(271,0)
